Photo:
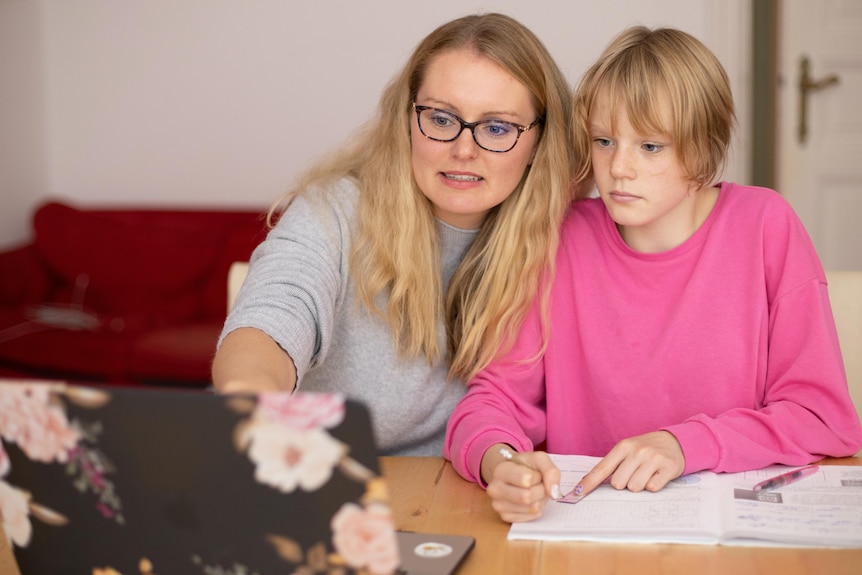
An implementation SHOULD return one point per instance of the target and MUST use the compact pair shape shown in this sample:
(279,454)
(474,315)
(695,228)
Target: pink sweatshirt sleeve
(802,413)
(801,410)
(504,404)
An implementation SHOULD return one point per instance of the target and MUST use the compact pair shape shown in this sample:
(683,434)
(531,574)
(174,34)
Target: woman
(404,262)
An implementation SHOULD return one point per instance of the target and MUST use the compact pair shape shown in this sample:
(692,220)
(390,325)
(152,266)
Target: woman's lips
(459,177)
(460,180)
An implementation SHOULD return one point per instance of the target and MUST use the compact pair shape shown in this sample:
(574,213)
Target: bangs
(636,82)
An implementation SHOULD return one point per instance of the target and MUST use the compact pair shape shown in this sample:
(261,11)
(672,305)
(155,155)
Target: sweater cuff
(480,444)
(698,444)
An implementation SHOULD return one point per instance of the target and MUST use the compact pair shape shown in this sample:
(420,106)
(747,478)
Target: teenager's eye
(652,148)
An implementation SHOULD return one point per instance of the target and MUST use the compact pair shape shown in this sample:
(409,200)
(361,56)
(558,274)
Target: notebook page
(686,510)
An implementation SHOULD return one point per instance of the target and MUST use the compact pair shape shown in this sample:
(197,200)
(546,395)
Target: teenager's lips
(623,197)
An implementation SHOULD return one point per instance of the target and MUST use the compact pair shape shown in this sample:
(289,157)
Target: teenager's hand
(645,462)
(521,487)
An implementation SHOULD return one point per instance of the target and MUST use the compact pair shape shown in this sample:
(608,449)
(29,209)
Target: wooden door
(819,164)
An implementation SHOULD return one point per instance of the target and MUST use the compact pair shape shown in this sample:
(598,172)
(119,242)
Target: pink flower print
(39,427)
(89,467)
(15,515)
(365,538)
(302,410)
(285,458)
(97,481)
(106,511)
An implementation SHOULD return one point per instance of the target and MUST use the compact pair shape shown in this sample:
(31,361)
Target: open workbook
(824,509)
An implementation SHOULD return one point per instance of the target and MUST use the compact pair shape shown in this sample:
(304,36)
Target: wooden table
(429,495)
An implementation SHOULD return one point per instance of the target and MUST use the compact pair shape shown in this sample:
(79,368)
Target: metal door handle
(807,85)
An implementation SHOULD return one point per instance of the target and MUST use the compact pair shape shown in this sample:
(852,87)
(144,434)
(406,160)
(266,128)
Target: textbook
(823,509)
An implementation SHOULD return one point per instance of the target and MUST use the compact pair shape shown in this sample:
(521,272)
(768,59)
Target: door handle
(807,85)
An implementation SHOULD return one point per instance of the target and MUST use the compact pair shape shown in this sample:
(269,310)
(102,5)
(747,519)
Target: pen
(786,478)
(507,454)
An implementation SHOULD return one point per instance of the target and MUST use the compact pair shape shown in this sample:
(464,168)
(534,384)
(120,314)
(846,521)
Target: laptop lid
(138,481)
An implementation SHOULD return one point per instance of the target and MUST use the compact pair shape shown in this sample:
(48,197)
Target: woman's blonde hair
(636,66)
(395,251)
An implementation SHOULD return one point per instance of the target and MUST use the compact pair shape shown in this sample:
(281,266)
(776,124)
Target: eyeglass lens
(493,135)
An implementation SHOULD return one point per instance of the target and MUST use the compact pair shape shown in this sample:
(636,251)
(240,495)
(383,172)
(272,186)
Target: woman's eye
(441,120)
(496,129)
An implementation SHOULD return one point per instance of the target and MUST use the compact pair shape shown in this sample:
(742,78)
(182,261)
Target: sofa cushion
(119,265)
(92,352)
(172,354)
(154,281)
(24,280)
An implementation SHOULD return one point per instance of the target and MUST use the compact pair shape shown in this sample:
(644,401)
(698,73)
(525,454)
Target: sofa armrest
(23,278)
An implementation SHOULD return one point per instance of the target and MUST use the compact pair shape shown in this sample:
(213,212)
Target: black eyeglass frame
(472,127)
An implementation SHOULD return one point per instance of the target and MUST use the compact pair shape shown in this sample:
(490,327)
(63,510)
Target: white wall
(23,154)
(222,102)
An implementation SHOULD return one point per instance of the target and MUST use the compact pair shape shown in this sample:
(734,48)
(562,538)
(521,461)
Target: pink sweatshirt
(727,342)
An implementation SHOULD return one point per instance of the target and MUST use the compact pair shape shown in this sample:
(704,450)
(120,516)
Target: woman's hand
(249,361)
(644,462)
(520,487)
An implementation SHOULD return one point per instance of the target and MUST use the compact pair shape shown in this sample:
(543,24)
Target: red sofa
(131,296)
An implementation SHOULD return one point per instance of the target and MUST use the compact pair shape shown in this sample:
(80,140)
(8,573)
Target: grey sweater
(300,292)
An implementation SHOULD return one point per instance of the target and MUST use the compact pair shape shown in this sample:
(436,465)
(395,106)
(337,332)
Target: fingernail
(555,492)
(579,489)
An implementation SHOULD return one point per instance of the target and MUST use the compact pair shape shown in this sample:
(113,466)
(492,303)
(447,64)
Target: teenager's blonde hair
(395,251)
(636,67)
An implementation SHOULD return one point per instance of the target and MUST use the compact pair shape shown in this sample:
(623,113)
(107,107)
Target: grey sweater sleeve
(299,291)
(297,277)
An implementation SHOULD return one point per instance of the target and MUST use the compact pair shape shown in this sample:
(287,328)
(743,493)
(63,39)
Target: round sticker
(432,549)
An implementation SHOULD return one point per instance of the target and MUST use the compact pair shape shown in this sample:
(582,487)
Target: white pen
(507,454)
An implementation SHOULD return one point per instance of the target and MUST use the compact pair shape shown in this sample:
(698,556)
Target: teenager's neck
(662,237)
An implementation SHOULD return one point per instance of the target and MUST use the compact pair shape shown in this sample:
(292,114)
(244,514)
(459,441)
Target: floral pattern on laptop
(286,438)
(33,417)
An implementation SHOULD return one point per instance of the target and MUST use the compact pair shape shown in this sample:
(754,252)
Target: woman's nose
(465,146)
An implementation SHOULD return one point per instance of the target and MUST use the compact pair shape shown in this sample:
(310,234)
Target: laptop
(123,480)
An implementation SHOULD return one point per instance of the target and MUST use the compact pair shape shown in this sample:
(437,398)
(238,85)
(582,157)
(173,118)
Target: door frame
(764,92)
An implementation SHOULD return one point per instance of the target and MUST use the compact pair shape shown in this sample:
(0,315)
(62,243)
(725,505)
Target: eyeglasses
(492,135)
